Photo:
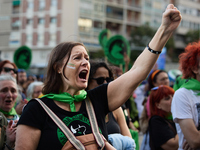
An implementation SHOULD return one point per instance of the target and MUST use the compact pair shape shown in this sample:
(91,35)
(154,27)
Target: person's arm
(27,138)
(190,132)
(171,144)
(120,118)
(10,135)
(120,89)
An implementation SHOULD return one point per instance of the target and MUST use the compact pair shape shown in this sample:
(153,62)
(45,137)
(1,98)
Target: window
(41,5)
(29,21)
(53,37)
(16,23)
(30,5)
(29,38)
(53,2)
(84,24)
(40,38)
(41,21)
(53,20)
(98,8)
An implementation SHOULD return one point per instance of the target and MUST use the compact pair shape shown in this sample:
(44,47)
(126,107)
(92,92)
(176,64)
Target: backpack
(3,125)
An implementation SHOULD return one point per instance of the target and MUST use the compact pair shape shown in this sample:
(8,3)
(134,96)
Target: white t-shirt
(185,105)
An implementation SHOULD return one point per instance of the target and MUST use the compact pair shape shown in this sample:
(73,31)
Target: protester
(156,78)
(186,100)
(21,79)
(7,67)
(67,77)
(118,132)
(8,95)
(162,129)
(34,90)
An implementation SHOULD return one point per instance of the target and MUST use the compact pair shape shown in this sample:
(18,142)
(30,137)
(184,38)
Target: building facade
(42,24)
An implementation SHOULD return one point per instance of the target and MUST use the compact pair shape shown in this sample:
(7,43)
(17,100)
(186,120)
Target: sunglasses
(101,80)
(6,69)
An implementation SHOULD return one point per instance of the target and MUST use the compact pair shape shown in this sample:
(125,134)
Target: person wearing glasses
(162,129)
(156,78)
(7,67)
(186,100)
(116,124)
(64,91)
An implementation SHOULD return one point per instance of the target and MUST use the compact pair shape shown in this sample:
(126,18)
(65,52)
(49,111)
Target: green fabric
(133,111)
(135,136)
(10,113)
(136,124)
(179,82)
(192,84)
(169,117)
(67,98)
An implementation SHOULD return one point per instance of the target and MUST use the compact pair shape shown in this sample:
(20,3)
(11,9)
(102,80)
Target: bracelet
(153,51)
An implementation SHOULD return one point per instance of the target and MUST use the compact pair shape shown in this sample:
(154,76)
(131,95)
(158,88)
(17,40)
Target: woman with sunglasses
(162,129)
(115,120)
(64,91)
(186,100)
(7,67)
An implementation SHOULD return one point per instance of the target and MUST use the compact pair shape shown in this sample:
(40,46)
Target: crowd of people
(121,104)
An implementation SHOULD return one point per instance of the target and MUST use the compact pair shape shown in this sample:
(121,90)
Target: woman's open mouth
(83,74)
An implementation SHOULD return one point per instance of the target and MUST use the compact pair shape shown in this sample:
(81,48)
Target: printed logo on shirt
(198,110)
(78,124)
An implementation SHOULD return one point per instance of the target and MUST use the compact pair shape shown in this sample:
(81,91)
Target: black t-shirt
(78,122)
(160,131)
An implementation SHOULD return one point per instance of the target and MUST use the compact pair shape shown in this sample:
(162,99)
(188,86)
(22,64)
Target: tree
(192,36)
(142,35)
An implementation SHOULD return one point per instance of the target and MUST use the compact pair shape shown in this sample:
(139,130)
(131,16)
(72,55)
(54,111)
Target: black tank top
(112,125)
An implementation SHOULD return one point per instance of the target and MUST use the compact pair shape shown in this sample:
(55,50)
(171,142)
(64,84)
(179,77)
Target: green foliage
(142,35)
(170,43)
(192,36)
(97,54)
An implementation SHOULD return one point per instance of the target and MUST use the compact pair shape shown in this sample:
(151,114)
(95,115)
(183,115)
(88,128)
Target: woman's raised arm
(120,89)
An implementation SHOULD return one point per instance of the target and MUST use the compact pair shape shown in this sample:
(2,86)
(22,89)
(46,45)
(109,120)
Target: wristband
(153,51)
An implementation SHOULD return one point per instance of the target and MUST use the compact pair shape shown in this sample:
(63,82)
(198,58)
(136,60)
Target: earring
(59,72)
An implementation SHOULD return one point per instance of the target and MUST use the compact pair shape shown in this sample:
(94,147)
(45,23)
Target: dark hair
(95,66)
(156,96)
(2,63)
(53,82)
(189,59)
(153,78)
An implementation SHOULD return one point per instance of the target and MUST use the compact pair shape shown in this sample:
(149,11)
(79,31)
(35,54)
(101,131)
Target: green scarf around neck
(10,113)
(192,84)
(67,98)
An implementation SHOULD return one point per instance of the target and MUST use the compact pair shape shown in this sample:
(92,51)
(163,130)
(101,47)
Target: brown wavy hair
(53,82)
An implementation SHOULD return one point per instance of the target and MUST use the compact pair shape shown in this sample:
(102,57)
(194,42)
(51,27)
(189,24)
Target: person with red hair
(7,67)
(162,129)
(186,100)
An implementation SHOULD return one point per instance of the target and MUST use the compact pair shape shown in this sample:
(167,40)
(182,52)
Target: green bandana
(169,117)
(192,84)
(67,98)
(10,113)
